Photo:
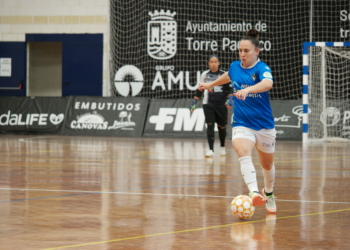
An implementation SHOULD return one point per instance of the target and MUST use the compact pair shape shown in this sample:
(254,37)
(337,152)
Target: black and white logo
(284,121)
(180,118)
(41,119)
(253,77)
(125,122)
(162,32)
(90,121)
(128,78)
(330,116)
(56,119)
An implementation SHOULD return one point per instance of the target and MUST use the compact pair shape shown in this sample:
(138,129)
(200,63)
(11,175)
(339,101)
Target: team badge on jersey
(162,32)
(254,77)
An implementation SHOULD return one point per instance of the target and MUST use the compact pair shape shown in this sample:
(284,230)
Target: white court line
(337,202)
(155,194)
(121,146)
(111,192)
(48,190)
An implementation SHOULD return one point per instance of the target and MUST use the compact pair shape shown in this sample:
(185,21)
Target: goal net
(159,48)
(329,93)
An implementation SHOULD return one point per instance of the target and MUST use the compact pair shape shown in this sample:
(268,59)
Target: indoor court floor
(61,192)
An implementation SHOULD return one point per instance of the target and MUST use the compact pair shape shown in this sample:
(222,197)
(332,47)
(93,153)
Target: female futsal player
(214,107)
(253,123)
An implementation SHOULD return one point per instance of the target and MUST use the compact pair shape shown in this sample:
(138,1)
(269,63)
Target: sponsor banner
(288,118)
(172,118)
(106,116)
(32,115)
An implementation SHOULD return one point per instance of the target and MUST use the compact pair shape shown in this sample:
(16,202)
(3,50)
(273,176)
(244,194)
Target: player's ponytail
(253,36)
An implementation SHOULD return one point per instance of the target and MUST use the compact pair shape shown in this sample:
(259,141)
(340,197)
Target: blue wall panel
(9,86)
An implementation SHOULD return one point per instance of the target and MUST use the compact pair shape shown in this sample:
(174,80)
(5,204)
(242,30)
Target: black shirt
(217,95)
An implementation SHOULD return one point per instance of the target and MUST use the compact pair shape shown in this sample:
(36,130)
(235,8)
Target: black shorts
(215,114)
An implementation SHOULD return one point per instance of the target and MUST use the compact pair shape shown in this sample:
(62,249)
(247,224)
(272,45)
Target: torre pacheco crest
(162,35)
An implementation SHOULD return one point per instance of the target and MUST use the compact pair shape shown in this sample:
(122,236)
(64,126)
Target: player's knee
(210,125)
(221,127)
(210,128)
(267,165)
(242,152)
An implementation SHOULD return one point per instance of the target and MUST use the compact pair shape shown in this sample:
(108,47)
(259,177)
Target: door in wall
(82,62)
(44,69)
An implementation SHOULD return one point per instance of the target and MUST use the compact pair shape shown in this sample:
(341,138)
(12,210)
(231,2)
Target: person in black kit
(214,105)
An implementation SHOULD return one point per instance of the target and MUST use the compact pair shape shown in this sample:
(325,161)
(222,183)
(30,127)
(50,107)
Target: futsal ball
(242,207)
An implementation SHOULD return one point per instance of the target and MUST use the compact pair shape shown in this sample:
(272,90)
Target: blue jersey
(255,111)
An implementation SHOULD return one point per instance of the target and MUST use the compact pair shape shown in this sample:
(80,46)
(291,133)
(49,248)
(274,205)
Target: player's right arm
(224,78)
(195,99)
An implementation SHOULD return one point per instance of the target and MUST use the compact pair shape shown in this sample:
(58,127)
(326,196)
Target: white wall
(19,17)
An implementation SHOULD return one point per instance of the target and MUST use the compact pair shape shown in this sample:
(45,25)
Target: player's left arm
(264,85)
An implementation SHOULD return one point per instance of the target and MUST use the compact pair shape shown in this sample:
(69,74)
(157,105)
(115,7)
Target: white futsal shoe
(270,202)
(222,151)
(210,153)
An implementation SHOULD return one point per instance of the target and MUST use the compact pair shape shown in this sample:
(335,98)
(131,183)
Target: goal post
(326,91)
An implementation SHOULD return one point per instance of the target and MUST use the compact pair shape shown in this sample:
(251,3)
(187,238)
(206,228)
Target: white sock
(249,173)
(269,178)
